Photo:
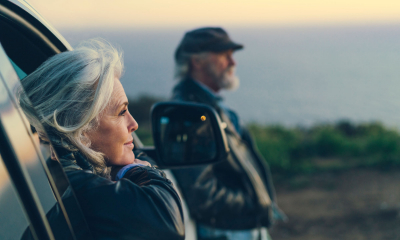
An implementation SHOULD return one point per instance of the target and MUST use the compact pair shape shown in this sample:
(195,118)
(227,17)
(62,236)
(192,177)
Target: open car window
(51,197)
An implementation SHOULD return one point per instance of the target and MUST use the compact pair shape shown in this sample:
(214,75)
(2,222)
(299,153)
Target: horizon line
(235,26)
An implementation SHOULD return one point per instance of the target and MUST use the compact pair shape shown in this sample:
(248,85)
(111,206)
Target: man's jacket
(236,193)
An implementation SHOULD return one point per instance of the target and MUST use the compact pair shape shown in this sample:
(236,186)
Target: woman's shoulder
(83,178)
(132,208)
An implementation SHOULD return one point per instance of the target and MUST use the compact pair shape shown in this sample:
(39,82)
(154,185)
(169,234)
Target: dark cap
(205,40)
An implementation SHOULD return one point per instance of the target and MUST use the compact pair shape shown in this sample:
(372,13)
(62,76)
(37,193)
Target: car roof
(24,5)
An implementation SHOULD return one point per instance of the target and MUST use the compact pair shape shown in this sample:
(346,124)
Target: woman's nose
(132,124)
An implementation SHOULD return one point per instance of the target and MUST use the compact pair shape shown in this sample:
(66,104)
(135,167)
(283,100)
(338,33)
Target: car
(32,186)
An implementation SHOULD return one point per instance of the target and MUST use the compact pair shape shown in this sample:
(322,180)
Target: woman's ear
(85,138)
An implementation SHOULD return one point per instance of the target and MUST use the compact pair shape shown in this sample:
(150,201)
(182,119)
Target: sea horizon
(293,76)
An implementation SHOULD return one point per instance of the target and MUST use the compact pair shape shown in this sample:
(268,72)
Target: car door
(28,41)
(36,201)
(19,206)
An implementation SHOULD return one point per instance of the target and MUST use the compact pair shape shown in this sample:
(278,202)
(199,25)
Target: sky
(81,14)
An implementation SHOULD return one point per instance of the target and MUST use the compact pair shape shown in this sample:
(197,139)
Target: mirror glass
(186,136)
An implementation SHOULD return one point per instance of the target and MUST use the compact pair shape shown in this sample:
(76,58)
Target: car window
(28,43)
(26,152)
(18,130)
(48,181)
(25,39)
(21,74)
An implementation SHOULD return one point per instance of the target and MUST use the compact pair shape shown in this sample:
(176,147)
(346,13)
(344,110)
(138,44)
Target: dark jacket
(236,193)
(142,205)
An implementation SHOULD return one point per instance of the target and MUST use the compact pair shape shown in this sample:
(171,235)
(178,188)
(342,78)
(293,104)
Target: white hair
(69,91)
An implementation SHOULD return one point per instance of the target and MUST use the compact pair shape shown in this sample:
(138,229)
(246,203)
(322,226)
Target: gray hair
(183,65)
(69,91)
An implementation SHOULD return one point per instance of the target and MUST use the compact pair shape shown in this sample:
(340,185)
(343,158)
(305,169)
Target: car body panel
(18,151)
(29,10)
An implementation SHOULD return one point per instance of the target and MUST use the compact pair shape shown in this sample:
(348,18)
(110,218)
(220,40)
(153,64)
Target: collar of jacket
(192,90)
(71,161)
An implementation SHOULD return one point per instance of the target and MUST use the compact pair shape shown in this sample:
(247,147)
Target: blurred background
(320,91)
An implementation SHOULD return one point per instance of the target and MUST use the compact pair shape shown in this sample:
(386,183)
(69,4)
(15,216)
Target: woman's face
(113,135)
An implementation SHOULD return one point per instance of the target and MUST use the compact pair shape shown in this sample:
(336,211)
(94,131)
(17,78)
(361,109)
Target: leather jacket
(235,194)
(142,205)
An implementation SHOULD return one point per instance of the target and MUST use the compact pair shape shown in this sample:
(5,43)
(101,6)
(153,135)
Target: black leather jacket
(236,193)
(142,205)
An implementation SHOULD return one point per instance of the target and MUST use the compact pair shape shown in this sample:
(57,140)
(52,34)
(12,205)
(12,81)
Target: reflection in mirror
(186,136)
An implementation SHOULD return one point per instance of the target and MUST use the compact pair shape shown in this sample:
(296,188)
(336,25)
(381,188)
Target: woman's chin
(131,161)
(131,158)
(124,161)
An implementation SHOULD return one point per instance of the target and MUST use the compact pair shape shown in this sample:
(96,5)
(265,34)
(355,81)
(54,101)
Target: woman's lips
(129,144)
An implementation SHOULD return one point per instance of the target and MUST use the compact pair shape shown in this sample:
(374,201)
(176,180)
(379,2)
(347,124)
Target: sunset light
(234,13)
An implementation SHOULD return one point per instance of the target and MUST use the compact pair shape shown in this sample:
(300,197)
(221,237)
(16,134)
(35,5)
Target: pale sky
(240,13)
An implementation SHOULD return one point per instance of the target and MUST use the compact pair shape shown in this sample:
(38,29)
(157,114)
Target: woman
(83,112)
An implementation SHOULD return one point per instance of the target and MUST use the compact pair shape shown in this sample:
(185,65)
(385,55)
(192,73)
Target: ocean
(294,76)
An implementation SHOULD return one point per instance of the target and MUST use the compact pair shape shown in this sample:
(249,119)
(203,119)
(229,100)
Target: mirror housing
(187,134)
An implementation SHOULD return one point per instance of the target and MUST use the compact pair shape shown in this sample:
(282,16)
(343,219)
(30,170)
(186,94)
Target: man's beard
(227,79)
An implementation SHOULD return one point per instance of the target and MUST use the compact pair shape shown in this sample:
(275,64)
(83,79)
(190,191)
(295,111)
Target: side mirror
(187,134)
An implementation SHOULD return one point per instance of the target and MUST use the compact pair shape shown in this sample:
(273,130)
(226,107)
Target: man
(234,199)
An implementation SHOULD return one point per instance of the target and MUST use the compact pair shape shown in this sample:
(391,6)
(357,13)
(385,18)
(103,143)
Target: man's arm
(248,139)
(207,196)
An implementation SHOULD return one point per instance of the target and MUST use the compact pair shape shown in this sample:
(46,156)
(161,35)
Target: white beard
(227,80)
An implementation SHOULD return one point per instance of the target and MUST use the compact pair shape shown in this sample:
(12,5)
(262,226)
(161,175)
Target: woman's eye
(122,112)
